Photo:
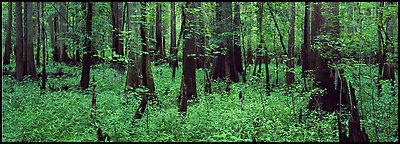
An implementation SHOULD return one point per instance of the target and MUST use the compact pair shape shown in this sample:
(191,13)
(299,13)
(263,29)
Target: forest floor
(64,115)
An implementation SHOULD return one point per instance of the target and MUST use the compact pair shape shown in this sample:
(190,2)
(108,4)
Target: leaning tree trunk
(88,54)
(188,85)
(147,79)
(8,48)
(30,61)
(325,77)
(19,68)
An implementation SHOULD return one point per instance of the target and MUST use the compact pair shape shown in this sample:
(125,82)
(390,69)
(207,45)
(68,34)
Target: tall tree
(159,49)
(8,48)
(37,58)
(132,77)
(28,45)
(324,77)
(43,86)
(305,48)
(19,42)
(173,49)
(381,50)
(237,46)
(223,66)
(290,62)
(63,57)
(388,72)
(147,77)
(116,23)
(88,50)
(188,85)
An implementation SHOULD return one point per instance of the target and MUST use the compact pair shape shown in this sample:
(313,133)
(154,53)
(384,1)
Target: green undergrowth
(219,116)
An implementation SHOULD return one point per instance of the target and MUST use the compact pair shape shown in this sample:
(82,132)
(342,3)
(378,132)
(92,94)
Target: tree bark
(19,43)
(188,85)
(388,73)
(237,47)
(43,86)
(132,77)
(30,61)
(8,48)
(159,49)
(63,57)
(325,78)
(306,43)
(173,49)
(223,66)
(88,54)
(37,58)
(147,80)
(290,62)
(117,23)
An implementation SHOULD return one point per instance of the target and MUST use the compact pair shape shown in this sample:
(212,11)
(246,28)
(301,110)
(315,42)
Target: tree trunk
(63,30)
(159,53)
(173,50)
(37,58)
(19,43)
(88,54)
(146,67)
(116,42)
(43,86)
(324,77)
(24,38)
(188,85)
(8,48)
(223,65)
(290,62)
(56,50)
(132,77)
(30,61)
(381,54)
(306,43)
(388,73)
(237,47)
(350,17)
(317,21)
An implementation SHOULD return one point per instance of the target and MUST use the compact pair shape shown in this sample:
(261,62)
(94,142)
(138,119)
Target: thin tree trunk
(173,49)
(37,58)
(8,47)
(43,86)
(146,67)
(88,54)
